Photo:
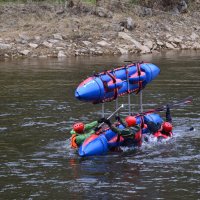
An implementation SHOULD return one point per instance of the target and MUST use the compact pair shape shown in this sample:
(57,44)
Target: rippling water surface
(37,109)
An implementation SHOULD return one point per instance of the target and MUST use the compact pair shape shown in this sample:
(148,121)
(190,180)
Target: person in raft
(131,133)
(165,129)
(81,131)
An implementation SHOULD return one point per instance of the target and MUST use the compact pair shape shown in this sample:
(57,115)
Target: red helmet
(79,127)
(130,120)
(167,127)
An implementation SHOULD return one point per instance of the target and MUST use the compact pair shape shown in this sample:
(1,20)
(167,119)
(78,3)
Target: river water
(38,108)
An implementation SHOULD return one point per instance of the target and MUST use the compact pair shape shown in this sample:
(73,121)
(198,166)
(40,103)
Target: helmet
(167,127)
(130,120)
(79,127)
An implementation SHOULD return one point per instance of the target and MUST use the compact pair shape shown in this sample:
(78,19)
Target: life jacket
(137,140)
(161,134)
(73,141)
(138,136)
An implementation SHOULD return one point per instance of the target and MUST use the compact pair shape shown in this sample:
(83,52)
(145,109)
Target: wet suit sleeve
(80,138)
(122,122)
(90,125)
(127,131)
(168,115)
(115,129)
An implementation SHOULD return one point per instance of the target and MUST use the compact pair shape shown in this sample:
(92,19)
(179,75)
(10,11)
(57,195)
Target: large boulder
(138,45)
(128,24)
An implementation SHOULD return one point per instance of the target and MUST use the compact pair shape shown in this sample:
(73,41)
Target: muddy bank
(46,30)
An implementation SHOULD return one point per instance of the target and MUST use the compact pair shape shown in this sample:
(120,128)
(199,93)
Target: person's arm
(112,127)
(115,129)
(135,128)
(81,138)
(168,115)
(123,122)
(124,132)
(90,125)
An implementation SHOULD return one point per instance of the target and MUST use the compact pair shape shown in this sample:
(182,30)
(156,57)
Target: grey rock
(103,43)
(138,45)
(175,11)
(196,45)
(166,27)
(61,54)
(174,40)
(167,35)
(53,41)
(182,7)
(24,52)
(149,25)
(60,48)
(169,46)
(87,43)
(194,36)
(102,12)
(159,43)
(123,51)
(47,44)
(23,36)
(145,12)
(33,45)
(37,38)
(5,46)
(118,28)
(58,36)
(149,44)
(128,24)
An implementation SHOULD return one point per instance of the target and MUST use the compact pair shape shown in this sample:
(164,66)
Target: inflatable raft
(105,142)
(109,85)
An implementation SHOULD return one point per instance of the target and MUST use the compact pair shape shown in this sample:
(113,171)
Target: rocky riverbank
(46,30)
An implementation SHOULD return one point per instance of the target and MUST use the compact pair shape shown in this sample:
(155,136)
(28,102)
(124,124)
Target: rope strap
(139,74)
(127,79)
(114,81)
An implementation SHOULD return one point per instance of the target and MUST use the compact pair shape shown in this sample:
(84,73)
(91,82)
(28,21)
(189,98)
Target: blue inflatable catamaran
(108,86)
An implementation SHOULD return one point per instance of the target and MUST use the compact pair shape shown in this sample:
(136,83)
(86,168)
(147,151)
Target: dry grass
(43,20)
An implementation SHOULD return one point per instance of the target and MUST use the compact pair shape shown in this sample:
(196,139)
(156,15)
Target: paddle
(112,114)
(171,105)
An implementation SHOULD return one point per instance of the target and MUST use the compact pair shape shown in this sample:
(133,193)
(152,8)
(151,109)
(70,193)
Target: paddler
(81,131)
(131,132)
(164,129)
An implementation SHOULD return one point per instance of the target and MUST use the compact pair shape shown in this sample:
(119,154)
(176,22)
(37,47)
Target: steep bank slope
(46,30)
